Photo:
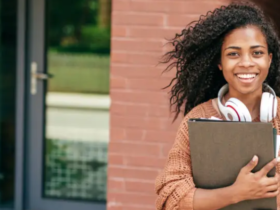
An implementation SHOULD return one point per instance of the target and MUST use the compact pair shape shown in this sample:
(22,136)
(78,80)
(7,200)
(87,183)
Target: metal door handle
(42,76)
(37,75)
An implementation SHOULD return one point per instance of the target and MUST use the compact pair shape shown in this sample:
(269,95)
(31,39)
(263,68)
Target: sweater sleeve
(278,171)
(277,126)
(174,186)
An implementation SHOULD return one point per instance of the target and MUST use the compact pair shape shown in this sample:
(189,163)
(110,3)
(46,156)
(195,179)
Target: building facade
(141,128)
(84,121)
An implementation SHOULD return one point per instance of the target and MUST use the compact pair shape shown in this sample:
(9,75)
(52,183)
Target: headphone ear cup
(240,109)
(268,107)
(230,113)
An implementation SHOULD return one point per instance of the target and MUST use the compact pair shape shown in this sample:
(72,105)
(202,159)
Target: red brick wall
(141,129)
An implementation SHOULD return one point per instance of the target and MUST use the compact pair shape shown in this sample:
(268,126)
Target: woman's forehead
(245,36)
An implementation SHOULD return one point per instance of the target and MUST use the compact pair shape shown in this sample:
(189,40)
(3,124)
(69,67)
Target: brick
(178,7)
(160,111)
(131,198)
(156,123)
(134,71)
(144,122)
(130,109)
(119,31)
(136,149)
(147,110)
(141,128)
(119,18)
(136,161)
(165,149)
(160,136)
(118,108)
(149,6)
(121,5)
(153,162)
(132,173)
(117,133)
(119,206)
(170,73)
(134,45)
(134,134)
(139,207)
(143,97)
(137,110)
(115,185)
(116,82)
(115,159)
(152,32)
(147,58)
(193,7)
(135,58)
(181,20)
(139,187)
(119,57)
(117,121)
(142,110)
(148,84)
(139,134)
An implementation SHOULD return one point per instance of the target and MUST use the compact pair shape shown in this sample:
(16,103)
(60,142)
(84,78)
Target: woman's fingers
(272,188)
(250,166)
(268,167)
(271,194)
(271,181)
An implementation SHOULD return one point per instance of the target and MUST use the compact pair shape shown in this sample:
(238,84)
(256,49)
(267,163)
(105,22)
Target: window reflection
(77,100)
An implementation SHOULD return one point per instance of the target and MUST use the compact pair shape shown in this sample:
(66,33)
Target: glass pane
(77,100)
(8,34)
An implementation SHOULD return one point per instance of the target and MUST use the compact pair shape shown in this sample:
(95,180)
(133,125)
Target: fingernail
(254,158)
(278,159)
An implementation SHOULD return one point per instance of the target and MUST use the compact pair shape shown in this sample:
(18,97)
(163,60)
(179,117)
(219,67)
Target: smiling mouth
(246,78)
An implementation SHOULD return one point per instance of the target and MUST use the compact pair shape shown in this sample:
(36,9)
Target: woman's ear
(220,67)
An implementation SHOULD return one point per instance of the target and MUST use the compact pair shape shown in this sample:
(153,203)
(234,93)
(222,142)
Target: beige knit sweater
(174,185)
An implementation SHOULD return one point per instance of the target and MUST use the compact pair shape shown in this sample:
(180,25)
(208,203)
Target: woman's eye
(258,53)
(233,54)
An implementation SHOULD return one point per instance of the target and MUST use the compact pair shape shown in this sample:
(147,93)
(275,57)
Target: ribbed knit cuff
(187,201)
(181,197)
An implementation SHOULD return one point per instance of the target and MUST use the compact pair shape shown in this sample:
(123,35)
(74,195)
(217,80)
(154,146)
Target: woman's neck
(252,101)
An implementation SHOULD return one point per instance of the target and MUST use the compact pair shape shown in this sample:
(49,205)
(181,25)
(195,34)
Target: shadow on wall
(271,8)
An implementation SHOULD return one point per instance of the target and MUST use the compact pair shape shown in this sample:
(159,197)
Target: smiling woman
(245,63)
(198,53)
(233,53)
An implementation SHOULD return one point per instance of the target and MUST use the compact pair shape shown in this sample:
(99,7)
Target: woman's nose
(246,62)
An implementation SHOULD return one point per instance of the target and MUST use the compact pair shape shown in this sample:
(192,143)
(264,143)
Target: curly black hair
(197,50)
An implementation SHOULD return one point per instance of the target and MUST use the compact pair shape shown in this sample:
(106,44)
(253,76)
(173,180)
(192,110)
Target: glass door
(68,110)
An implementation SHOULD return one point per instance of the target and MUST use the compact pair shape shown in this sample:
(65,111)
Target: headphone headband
(244,115)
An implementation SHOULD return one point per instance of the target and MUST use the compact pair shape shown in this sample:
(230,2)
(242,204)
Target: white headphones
(235,110)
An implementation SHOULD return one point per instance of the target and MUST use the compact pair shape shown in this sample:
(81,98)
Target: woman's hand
(249,186)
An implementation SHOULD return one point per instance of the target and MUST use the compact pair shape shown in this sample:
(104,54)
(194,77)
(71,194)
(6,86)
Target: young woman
(234,47)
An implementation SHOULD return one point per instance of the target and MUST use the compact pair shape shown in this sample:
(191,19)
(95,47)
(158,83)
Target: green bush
(93,40)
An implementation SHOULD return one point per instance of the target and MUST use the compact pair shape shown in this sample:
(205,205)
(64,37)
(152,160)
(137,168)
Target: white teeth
(246,76)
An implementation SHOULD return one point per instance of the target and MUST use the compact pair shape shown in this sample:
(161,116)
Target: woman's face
(245,60)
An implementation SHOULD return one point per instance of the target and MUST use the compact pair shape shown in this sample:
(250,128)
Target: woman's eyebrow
(233,47)
(256,46)
(238,48)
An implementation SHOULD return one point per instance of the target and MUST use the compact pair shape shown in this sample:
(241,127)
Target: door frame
(35,120)
(34,104)
(20,105)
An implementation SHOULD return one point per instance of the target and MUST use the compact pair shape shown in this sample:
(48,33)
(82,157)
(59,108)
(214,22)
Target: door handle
(35,75)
